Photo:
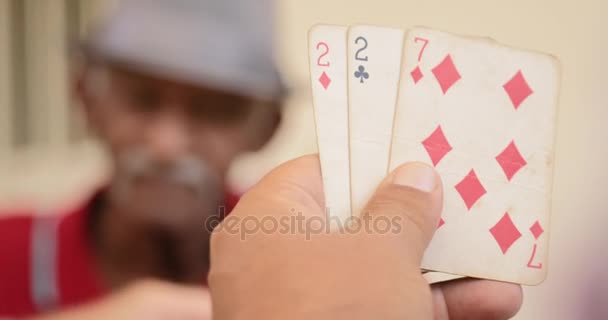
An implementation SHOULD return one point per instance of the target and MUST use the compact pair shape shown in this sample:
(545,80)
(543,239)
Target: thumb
(413,194)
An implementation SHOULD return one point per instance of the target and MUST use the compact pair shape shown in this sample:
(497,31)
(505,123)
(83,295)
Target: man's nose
(168,138)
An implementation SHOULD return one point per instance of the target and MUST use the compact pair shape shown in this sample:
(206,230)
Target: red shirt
(47,263)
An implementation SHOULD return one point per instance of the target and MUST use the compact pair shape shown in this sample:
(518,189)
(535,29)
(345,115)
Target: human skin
(360,275)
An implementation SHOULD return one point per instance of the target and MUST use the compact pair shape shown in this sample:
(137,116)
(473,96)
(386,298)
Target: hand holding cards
(481,113)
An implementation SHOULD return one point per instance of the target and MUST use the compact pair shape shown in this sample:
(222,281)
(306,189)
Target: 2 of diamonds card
(327,52)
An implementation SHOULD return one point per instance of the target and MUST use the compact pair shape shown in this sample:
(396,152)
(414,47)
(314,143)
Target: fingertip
(424,180)
(417,175)
(482,299)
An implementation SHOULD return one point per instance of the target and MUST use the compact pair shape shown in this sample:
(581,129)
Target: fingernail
(416,175)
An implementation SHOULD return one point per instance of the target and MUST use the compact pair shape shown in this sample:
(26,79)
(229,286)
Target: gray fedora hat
(220,44)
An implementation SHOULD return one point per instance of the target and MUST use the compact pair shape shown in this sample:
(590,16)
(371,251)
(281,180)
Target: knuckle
(294,193)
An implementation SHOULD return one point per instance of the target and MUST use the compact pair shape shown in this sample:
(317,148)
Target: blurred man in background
(175,90)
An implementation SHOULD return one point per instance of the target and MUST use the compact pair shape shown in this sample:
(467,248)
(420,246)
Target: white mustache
(187,171)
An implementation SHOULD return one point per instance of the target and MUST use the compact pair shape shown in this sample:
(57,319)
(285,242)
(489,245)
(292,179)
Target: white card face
(433,277)
(484,115)
(327,52)
(374,60)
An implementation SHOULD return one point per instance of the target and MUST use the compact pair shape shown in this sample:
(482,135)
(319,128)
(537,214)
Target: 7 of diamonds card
(484,115)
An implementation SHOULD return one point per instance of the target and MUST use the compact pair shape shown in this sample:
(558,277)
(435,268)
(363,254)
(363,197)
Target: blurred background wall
(48,159)
(46,154)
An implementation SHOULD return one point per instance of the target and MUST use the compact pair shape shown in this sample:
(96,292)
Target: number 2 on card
(319,62)
(357,57)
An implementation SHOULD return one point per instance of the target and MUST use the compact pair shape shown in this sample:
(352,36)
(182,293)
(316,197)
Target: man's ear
(83,91)
(78,74)
(265,128)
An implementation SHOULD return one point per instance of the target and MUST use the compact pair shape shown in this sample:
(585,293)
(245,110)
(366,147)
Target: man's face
(171,143)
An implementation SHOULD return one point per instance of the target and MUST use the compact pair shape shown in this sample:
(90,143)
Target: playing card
(374,60)
(327,52)
(433,277)
(484,115)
